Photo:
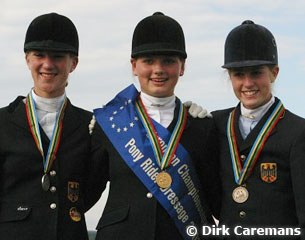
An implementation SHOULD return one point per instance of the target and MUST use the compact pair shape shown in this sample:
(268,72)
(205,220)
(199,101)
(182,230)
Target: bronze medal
(164,180)
(240,194)
(45,182)
(75,214)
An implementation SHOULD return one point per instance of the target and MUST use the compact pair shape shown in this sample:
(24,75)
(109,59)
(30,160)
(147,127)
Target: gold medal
(240,194)
(74,214)
(164,180)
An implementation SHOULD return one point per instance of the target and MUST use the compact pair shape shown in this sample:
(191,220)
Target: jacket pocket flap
(114,216)
(10,213)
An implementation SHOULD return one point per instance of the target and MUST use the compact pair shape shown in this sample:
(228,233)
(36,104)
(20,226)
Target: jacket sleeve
(214,181)
(98,169)
(207,164)
(297,166)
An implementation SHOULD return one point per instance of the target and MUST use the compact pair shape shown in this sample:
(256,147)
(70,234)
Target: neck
(45,94)
(48,104)
(256,113)
(151,101)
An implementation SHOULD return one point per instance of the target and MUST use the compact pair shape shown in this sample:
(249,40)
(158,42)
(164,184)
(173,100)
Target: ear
(27,60)
(74,63)
(133,62)
(274,73)
(182,67)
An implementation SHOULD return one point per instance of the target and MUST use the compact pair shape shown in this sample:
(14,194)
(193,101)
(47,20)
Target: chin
(162,95)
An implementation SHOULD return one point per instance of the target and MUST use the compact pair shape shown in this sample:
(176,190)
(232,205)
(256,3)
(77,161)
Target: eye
(147,60)
(256,73)
(38,54)
(238,74)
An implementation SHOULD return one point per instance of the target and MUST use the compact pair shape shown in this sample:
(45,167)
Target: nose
(48,62)
(158,68)
(248,81)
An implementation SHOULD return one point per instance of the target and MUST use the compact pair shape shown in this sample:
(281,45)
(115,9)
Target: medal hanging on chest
(241,172)
(240,194)
(54,141)
(164,159)
(164,180)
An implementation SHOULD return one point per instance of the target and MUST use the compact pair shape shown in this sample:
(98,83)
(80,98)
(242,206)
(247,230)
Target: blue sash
(120,122)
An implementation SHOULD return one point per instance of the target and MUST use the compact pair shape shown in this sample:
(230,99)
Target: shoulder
(200,122)
(12,106)
(82,113)
(200,127)
(220,117)
(218,114)
(293,117)
(292,122)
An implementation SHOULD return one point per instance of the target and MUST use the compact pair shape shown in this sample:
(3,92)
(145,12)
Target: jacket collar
(71,120)
(246,144)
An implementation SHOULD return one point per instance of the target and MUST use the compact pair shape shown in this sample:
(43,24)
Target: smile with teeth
(158,79)
(47,75)
(250,92)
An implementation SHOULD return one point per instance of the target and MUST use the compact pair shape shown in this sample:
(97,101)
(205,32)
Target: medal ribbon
(34,127)
(163,158)
(243,172)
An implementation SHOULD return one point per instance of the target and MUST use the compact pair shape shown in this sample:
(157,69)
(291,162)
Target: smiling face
(253,85)
(50,71)
(158,75)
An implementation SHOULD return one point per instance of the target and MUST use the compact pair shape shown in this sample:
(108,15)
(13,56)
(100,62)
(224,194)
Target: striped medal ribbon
(164,159)
(241,173)
(54,141)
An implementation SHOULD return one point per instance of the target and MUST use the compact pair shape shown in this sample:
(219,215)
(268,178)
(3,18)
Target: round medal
(74,214)
(164,180)
(45,182)
(240,194)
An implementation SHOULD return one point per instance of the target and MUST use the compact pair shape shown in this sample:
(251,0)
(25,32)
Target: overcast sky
(105,30)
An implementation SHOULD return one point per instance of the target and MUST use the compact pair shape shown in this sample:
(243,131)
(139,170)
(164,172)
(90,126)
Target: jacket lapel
(246,144)
(172,125)
(18,117)
(71,121)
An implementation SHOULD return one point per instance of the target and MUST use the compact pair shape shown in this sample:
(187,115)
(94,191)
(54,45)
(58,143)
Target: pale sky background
(105,30)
